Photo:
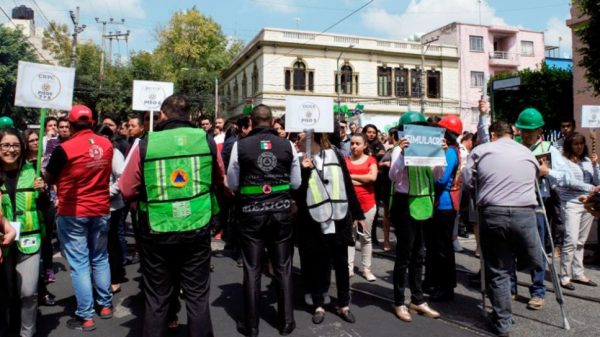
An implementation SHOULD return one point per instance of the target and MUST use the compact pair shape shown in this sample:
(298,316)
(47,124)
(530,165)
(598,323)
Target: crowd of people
(265,191)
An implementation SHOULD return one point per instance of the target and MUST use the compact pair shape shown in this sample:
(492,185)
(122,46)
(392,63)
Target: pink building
(485,51)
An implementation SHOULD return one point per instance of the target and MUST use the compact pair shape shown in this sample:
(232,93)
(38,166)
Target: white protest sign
(44,86)
(425,146)
(308,112)
(590,116)
(149,95)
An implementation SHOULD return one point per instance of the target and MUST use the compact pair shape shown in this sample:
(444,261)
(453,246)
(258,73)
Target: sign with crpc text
(149,95)
(44,86)
(424,146)
(590,116)
(306,112)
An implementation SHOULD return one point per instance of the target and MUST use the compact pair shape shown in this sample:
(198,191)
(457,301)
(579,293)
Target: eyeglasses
(7,146)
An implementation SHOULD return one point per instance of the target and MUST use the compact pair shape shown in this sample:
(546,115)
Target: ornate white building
(383,75)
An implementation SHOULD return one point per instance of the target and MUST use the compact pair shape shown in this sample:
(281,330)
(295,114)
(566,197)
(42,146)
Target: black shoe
(442,295)
(48,300)
(347,316)
(318,317)
(287,328)
(568,286)
(248,332)
(429,290)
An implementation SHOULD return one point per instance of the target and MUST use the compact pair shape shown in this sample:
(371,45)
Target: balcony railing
(503,55)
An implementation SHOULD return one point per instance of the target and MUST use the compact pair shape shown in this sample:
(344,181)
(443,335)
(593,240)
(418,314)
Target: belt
(263,189)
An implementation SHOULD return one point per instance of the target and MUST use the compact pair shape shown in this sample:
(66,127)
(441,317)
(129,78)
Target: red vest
(83,183)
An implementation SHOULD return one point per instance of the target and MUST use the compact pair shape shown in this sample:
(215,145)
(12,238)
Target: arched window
(254,80)
(299,76)
(346,79)
(244,86)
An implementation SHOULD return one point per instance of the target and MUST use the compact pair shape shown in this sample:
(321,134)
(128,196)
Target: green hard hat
(530,119)
(412,117)
(6,122)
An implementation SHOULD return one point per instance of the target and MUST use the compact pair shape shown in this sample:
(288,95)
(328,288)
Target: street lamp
(424,47)
(339,78)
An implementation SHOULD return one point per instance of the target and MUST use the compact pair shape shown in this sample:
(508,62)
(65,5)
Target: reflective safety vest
(177,169)
(421,194)
(542,147)
(25,211)
(326,196)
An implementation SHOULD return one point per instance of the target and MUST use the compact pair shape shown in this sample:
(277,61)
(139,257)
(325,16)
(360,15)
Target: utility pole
(424,46)
(116,36)
(76,31)
(110,21)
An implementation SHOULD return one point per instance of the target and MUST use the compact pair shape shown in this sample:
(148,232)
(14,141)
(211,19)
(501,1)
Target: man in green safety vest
(172,173)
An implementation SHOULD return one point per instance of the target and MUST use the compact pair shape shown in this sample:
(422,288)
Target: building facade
(383,75)
(22,18)
(485,51)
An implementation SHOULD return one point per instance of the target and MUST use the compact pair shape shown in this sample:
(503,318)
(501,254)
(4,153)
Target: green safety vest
(326,196)
(541,148)
(26,211)
(421,194)
(177,172)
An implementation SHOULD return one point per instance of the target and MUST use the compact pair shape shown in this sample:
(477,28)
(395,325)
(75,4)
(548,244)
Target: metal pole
(422,92)
(339,81)
(103,50)
(75,19)
(216,98)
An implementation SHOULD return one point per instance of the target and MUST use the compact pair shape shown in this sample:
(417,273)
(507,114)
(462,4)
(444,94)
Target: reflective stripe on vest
(26,211)
(178,176)
(264,189)
(541,148)
(326,196)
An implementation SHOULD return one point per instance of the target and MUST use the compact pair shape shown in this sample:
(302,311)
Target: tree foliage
(589,34)
(57,40)
(550,90)
(13,48)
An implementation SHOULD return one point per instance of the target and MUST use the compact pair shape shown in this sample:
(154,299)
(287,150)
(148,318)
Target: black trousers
(115,253)
(319,254)
(273,232)
(440,262)
(162,266)
(410,252)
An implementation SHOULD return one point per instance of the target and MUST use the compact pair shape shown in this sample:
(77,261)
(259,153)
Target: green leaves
(589,34)
(550,90)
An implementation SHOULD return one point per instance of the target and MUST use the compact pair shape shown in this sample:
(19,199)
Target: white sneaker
(369,276)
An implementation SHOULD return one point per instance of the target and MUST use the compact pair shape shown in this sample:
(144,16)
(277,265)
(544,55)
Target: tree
(14,48)
(589,34)
(57,40)
(195,51)
(550,90)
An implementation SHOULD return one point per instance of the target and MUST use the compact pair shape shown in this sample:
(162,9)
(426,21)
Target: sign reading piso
(44,86)
(149,95)
(308,112)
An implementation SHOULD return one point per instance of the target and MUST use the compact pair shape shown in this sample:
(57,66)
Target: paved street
(371,304)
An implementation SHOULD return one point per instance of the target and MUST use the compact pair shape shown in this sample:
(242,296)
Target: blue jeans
(83,241)
(537,288)
(507,232)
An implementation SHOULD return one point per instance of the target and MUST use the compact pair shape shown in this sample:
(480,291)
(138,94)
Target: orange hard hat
(452,123)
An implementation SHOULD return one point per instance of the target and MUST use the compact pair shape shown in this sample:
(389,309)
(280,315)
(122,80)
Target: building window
(244,86)
(299,76)
(345,77)
(476,79)
(476,43)
(527,48)
(415,82)
(384,81)
(236,92)
(227,96)
(254,80)
(433,84)
(356,84)
(288,79)
(401,82)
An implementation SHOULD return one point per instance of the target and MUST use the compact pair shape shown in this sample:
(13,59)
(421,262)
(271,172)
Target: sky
(243,19)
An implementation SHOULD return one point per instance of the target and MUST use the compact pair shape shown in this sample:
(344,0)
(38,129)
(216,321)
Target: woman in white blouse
(578,221)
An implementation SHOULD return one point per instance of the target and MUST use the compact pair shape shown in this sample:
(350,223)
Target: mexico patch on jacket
(265,145)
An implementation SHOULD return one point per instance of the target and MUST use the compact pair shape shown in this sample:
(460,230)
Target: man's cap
(80,113)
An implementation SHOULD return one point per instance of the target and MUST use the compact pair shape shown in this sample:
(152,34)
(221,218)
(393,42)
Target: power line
(320,33)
